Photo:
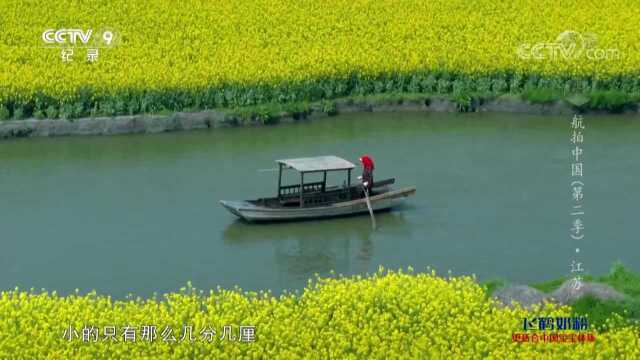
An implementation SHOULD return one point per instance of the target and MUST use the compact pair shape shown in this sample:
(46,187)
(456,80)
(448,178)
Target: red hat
(366,161)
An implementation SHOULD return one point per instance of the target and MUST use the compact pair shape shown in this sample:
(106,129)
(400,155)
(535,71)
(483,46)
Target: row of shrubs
(613,94)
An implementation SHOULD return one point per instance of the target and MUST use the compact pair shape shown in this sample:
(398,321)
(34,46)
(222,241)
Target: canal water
(139,213)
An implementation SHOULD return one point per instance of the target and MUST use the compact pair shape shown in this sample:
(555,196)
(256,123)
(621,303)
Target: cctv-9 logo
(104,37)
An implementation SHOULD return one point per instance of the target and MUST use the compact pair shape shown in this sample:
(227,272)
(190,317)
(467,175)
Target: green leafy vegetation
(619,277)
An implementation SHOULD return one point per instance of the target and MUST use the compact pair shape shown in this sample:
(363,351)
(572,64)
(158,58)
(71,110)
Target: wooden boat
(313,200)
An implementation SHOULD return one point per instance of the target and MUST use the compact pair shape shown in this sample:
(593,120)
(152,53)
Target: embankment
(265,115)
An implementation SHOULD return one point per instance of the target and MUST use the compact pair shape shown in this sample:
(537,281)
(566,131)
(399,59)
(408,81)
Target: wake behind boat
(313,200)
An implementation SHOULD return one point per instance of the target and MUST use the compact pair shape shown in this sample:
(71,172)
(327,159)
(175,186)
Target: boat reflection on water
(303,249)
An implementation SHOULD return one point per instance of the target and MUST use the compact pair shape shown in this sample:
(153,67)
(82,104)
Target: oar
(265,170)
(366,195)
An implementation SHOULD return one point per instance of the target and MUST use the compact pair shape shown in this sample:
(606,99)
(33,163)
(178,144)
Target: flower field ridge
(389,314)
(204,54)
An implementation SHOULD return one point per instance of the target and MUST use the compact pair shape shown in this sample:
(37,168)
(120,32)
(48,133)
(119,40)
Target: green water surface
(139,213)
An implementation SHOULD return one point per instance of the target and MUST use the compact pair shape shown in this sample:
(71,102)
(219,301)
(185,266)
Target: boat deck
(322,197)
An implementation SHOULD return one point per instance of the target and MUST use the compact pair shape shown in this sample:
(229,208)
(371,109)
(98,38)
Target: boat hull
(254,213)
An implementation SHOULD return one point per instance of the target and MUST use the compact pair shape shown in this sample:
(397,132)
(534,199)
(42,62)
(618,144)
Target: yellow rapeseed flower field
(194,44)
(388,315)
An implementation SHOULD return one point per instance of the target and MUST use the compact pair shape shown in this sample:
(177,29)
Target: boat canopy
(318,163)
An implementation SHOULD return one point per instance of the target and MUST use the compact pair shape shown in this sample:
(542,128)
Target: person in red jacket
(367,171)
